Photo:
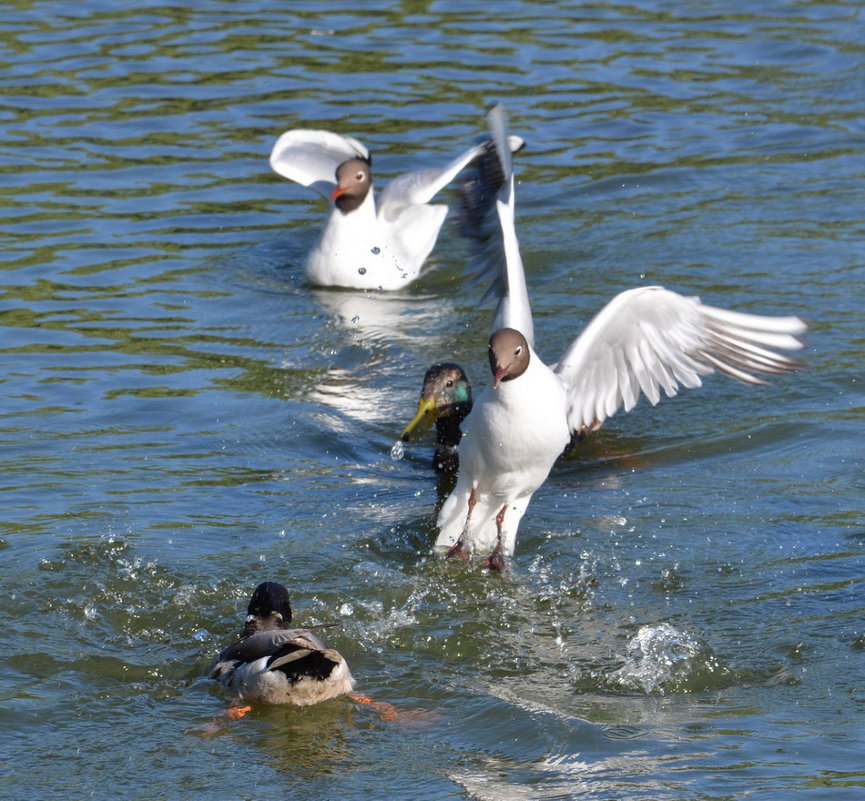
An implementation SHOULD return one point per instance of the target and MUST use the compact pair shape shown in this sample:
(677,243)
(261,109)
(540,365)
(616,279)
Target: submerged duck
(366,244)
(643,341)
(273,664)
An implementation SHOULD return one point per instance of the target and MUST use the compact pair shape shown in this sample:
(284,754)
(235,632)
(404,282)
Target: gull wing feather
(310,157)
(650,339)
(487,219)
(419,187)
(513,309)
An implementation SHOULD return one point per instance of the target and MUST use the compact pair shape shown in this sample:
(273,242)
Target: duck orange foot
(237,712)
(385,710)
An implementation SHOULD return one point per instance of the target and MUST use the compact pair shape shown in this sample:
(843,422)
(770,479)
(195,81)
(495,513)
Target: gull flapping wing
(487,219)
(419,187)
(310,157)
(650,338)
(513,310)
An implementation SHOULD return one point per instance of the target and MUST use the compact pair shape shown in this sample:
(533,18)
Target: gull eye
(360,176)
(519,350)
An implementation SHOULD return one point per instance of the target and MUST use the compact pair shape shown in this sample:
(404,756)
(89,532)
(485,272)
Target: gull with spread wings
(645,341)
(366,243)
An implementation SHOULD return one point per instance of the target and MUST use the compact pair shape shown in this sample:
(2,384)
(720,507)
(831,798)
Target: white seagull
(643,341)
(366,244)
(273,664)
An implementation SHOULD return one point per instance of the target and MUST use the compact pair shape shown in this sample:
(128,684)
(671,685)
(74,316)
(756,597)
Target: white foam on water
(661,658)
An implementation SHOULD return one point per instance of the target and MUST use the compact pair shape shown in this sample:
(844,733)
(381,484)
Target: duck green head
(446,397)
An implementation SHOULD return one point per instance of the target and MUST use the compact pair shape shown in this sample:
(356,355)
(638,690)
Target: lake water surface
(181,416)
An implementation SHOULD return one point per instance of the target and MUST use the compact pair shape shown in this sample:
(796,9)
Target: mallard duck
(366,244)
(446,400)
(644,340)
(273,664)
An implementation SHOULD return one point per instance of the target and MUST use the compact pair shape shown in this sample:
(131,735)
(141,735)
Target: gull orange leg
(496,559)
(459,550)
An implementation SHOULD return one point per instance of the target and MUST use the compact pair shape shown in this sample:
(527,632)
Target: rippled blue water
(181,416)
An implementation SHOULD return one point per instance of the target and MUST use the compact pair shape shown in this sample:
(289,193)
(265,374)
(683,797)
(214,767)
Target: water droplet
(361,270)
(397,451)
(375,251)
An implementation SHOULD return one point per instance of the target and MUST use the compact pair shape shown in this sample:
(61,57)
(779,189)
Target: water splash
(663,659)
(397,451)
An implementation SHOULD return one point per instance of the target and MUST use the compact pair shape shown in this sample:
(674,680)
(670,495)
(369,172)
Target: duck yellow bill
(427,412)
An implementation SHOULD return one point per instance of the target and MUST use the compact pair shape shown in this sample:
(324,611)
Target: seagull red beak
(337,192)
(499,374)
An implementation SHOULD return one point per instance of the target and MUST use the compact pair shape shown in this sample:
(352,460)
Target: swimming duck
(273,664)
(366,244)
(643,341)
(446,400)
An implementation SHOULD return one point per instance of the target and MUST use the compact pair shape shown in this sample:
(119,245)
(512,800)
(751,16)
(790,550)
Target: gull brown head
(353,182)
(509,355)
